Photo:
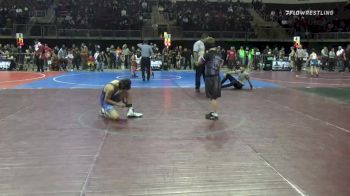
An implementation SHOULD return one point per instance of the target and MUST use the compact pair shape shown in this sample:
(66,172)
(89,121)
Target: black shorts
(213,87)
(237,85)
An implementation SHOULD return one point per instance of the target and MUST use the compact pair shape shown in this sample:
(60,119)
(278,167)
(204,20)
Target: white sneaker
(102,112)
(132,114)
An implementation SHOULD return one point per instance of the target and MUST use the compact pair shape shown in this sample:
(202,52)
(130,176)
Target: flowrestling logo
(309,12)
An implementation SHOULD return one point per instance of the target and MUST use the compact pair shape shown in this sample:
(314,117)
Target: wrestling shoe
(102,113)
(210,116)
(132,114)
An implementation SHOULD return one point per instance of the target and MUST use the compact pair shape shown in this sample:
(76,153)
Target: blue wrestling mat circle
(96,80)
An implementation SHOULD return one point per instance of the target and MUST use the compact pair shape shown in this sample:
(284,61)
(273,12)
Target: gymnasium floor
(282,138)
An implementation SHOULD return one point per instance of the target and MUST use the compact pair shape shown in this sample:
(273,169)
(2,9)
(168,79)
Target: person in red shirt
(39,56)
(231,57)
(91,62)
(47,56)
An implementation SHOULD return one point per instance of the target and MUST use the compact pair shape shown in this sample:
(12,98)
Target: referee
(146,53)
(198,53)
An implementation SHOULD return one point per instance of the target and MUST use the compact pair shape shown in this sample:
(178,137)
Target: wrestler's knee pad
(113,114)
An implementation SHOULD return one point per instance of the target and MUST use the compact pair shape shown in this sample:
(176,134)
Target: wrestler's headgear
(125,84)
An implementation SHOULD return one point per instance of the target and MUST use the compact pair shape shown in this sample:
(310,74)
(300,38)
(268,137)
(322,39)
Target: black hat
(125,84)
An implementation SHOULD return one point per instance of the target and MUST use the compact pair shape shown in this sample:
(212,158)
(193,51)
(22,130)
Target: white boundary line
(336,126)
(127,76)
(311,117)
(295,187)
(55,79)
(305,77)
(10,115)
(144,87)
(290,82)
(41,76)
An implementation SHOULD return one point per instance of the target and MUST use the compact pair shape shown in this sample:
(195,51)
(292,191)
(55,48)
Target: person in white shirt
(95,56)
(324,57)
(198,53)
(340,58)
(123,12)
(292,57)
(62,54)
(331,60)
(313,59)
(299,60)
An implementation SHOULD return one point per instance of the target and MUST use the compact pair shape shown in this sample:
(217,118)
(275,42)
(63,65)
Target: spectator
(347,58)
(127,54)
(292,57)
(187,55)
(84,55)
(231,57)
(242,56)
(47,56)
(62,54)
(332,60)
(39,56)
(76,58)
(324,57)
(340,58)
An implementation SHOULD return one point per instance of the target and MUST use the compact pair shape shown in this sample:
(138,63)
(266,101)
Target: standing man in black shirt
(212,62)
(146,53)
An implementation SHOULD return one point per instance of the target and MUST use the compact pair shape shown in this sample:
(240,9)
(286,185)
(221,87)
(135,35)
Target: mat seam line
(83,189)
(312,117)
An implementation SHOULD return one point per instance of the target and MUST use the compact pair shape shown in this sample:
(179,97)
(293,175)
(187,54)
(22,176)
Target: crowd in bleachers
(199,15)
(339,22)
(204,15)
(104,14)
(96,58)
(19,11)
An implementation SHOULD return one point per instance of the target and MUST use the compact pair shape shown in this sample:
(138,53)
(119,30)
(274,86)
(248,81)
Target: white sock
(214,114)
(130,109)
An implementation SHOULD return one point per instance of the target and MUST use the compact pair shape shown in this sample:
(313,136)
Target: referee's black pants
(146,64)
(199,72)
(39,64)
(299,63)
